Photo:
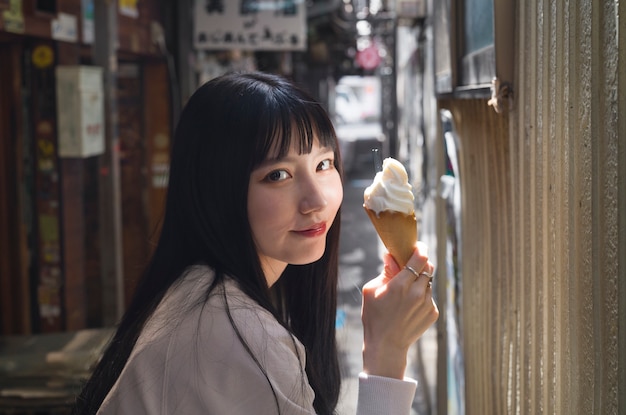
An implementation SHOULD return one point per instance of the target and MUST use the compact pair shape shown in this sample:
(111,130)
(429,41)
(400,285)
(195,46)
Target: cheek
(334,195)
(263,210)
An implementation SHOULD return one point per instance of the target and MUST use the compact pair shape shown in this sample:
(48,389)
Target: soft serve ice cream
(390,190)
(388,202)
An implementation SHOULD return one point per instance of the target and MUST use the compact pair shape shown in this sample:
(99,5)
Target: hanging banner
(250,24)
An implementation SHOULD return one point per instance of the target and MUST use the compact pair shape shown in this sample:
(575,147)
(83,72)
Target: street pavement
(361,260)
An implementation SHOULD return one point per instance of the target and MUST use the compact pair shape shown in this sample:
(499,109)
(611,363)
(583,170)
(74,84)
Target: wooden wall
(544,222)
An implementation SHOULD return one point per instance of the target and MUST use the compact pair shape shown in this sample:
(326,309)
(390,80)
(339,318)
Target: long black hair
(228,127)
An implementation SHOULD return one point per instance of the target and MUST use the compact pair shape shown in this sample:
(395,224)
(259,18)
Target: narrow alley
(359,261)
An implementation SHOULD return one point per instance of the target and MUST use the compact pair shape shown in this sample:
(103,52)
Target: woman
(235,313)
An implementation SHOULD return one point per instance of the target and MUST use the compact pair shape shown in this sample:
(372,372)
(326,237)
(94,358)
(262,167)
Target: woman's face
(292,203)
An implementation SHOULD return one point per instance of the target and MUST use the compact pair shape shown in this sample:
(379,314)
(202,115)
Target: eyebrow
(272,160)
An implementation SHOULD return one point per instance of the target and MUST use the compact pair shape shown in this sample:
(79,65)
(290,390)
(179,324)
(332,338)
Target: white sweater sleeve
(383,396)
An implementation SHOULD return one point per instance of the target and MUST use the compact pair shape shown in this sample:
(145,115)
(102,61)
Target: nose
(312,196)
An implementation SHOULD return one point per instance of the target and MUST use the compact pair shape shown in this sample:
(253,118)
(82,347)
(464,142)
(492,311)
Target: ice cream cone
(398,231)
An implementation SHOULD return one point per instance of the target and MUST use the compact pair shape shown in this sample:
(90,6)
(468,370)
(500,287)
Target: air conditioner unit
(80,107)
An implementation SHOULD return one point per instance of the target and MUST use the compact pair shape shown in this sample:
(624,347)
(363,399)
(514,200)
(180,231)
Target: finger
(421,290)
(421,286)
(425,281)
(391,266)
(422,248)
(428,271)
(416,264)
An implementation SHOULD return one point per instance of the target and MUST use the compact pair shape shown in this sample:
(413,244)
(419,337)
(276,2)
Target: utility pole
(109,187)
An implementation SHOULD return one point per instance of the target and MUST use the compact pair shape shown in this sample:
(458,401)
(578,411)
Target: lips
(313,231)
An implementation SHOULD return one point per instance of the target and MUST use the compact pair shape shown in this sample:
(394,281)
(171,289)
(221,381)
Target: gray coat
(189,360)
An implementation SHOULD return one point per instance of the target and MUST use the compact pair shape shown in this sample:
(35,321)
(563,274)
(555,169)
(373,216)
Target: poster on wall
(13,17)
(88,22)
(250,24)
(128,8)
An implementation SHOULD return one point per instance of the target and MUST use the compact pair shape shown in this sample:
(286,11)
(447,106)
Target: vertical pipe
(109,186)
(621,199)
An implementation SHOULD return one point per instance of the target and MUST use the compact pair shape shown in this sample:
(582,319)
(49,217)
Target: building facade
(60,204)
(524,198)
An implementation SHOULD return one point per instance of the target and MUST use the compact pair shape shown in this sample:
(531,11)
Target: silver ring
(412,271)
(426,274)
(430,278)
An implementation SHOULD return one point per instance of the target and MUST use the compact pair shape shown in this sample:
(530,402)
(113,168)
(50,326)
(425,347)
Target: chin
(308,259)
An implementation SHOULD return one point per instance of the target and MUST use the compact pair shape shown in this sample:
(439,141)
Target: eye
(326,164)
(277,176)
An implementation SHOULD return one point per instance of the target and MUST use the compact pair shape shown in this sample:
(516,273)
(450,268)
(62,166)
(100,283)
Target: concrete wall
(544,220)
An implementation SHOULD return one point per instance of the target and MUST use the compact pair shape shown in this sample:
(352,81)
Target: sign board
(64,27)
(250,24)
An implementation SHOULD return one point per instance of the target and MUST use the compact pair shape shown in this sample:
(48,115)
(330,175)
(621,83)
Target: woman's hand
(397,309)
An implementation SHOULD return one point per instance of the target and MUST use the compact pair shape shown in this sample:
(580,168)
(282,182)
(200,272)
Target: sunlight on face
(292,203)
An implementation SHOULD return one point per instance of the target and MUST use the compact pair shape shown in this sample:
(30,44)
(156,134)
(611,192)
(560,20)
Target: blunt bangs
(285,118)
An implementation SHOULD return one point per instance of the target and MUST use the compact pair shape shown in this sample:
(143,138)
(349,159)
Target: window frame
(453,76)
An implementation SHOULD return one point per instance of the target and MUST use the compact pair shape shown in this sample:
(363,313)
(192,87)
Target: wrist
(384,362)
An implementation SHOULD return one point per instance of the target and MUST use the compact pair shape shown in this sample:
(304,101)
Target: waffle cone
(398,231)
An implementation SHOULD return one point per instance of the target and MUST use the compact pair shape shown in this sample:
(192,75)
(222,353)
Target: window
(473,46)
